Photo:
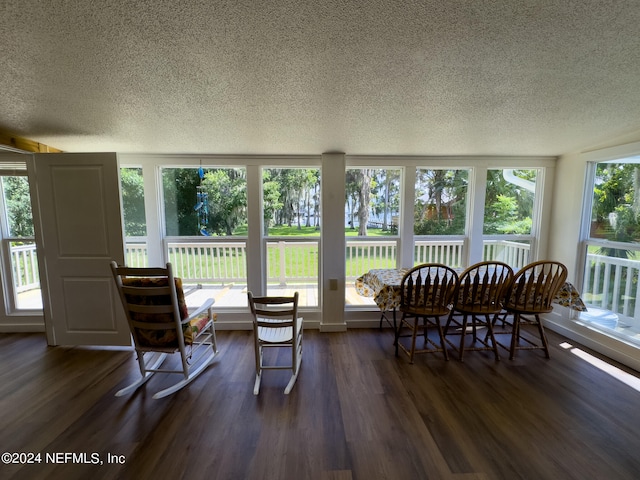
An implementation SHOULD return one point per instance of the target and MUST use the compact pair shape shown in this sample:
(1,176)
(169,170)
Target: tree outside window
(372,201)
(205,201)
(441,202)
(509,202)
(615,213)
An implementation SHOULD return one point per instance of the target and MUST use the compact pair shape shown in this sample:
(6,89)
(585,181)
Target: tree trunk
(636,191)
(385,212)
(364,196)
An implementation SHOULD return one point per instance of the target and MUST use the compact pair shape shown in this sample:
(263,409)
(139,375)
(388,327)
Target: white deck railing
(297,261)
(135,255)
(199,262)
(289,261)
(25,267)
(613,284)
(364,255)
(226,262)
(448,252)
(610,283)
(292,262)
(514,254)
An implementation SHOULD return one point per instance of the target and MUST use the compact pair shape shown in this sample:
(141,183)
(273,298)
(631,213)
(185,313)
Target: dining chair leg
(515,336)
(443,343)
(543,337)
(474,328)
(491,336)
(448,322)
(416,322)
(397,334)
(463,332)
(424,329)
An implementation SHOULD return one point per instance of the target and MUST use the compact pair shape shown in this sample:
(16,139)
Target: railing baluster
(616,287)
(627,290)
(587,287)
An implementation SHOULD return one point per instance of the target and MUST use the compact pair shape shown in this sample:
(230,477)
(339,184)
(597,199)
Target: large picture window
(18,244)
(232,224)
(206,227)
(509,215)
(205,201)
(291,223)
(611,285)
(133,213)
(372,213)
(440,213)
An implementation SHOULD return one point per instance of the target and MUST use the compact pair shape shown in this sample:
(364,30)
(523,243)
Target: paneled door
(77,209)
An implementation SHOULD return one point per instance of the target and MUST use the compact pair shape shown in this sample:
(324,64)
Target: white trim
(256,268)
(453,162)
(406,237)
(612,153)
(210,161)
(474,231)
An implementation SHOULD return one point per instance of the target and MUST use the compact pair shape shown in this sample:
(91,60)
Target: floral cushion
(195,326)
(163,338)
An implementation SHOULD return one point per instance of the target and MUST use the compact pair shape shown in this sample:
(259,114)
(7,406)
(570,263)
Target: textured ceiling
(431,77)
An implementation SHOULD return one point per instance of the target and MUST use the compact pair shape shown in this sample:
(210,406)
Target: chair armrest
(201,309)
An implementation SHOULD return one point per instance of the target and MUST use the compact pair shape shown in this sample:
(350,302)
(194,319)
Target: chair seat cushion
(165,338)
(195,327)
(157,300)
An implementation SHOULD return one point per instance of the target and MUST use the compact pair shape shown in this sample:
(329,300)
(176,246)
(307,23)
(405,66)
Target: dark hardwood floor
(356,412)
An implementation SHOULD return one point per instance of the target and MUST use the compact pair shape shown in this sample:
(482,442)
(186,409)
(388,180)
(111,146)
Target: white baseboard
(22,328)
(332,327)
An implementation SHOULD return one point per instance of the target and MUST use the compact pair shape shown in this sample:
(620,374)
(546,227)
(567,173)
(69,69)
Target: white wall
(564,224)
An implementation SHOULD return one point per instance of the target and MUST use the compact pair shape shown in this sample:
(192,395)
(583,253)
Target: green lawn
(294,231)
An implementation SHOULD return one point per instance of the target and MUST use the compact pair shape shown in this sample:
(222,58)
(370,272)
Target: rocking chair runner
(160,324)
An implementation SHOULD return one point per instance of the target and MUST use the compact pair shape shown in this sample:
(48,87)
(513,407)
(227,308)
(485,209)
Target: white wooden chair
(276,325)
(160,325)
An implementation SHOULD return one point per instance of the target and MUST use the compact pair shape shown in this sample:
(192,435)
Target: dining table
(383,284)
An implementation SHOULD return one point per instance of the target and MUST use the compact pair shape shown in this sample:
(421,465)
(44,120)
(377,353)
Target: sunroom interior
(554,95)
(264,261)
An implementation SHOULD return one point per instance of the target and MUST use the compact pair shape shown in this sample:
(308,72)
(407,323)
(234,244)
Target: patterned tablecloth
(569,297)
(383,285)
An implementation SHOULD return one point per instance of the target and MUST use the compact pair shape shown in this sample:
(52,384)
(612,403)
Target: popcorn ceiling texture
(431,77)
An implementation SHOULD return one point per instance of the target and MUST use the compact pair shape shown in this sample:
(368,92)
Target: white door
(77,207)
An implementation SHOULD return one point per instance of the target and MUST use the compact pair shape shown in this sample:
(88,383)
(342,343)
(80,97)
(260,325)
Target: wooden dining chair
(532,292)
(426,295)
(480,298)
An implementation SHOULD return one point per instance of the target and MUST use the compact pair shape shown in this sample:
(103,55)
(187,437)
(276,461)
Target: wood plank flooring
(356,412)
